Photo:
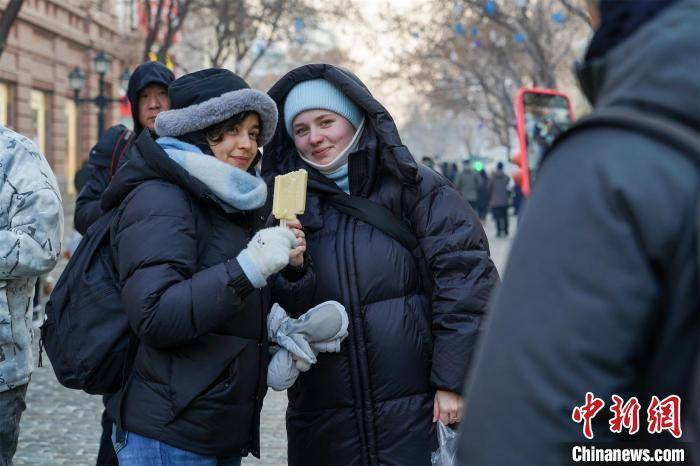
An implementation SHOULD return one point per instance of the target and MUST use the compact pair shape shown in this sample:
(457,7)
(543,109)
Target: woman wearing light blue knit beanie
(414,315)
(325,125)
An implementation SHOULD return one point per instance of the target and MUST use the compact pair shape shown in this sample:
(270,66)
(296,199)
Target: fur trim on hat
(180,121)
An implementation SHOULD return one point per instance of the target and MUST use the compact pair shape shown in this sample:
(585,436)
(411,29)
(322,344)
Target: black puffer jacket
(372,403)
(104,157)
(601,290)
(199,374)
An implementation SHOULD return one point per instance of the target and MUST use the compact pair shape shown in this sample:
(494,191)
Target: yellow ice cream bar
(290,195)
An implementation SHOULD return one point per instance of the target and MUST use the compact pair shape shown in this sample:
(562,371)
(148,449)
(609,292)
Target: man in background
(148,95)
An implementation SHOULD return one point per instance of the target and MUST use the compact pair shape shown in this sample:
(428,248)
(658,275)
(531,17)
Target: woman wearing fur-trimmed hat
(193,281)
(404,362)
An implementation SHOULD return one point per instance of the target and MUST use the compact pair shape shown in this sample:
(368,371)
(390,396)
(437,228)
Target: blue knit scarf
(232,185)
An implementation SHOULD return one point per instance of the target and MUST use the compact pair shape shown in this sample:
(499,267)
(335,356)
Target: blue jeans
(135,450)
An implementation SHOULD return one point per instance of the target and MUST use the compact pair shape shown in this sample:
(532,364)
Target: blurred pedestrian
(499,199)
(484,195)
(148,95)
(449,170)
(30,243)
(601,291)
(468,184)
(403,363)
(195,294)
(518,199)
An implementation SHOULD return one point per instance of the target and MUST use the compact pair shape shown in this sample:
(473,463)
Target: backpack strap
(384,219)
(120,148)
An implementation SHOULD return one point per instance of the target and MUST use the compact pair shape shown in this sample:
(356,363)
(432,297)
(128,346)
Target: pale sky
(372,60)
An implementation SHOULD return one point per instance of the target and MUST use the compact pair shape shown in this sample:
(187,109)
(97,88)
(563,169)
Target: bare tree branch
(469,60)
(240,34)
(8,18)
(163,28)
(152,25)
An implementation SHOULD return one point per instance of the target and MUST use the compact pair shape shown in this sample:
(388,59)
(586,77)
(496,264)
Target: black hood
(655,69)
(152,72)
(381,138)
(619,20)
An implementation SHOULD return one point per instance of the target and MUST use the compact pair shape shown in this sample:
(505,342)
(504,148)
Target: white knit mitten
(267,253)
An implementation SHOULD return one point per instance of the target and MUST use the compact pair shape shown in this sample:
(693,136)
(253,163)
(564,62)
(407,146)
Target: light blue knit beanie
(319,94)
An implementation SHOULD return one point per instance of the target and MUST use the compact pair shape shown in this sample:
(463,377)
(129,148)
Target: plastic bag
(447,447)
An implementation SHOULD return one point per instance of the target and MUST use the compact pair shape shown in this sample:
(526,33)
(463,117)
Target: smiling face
(321,135)
(235,141)
(152,100)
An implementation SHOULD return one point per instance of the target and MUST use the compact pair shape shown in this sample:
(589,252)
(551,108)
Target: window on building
(39,104)
(4,104)
(71,114)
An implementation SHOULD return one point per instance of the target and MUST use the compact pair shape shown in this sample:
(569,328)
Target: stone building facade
(48,39)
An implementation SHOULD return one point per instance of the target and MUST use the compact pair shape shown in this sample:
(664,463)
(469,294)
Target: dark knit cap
(204,98)
(200,86)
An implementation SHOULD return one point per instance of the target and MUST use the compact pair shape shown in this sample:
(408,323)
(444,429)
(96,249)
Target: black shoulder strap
(379,216)
(120,147)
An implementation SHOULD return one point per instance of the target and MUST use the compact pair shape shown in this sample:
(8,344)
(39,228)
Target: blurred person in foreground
(31,220)
(601,290)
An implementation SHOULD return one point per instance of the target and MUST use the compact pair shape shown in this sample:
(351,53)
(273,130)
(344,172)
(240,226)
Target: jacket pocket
(194,373)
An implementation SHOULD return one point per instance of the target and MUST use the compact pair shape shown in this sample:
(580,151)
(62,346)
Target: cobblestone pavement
(62,426)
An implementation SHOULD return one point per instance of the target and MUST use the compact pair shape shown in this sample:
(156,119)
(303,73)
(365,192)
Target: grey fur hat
(204,98)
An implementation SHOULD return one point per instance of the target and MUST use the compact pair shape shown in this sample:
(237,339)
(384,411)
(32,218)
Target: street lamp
(76,81)
(102,63)
(124,80)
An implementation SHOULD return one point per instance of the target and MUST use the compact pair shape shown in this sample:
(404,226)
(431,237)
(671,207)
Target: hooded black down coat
(200,371)
(601,290)
(103,155)
(372,403)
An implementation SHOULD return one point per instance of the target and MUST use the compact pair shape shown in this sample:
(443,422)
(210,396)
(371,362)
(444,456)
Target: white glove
(267,253)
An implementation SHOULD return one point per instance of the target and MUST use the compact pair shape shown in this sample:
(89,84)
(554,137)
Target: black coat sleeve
(167,301)
(294,289)
(87,205)
(464,276)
